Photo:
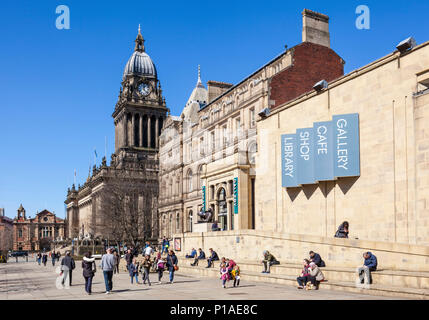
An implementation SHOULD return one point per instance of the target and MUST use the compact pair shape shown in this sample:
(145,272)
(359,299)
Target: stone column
(156,132)
(148,131)
(125,124)
(141,131)
(133,143)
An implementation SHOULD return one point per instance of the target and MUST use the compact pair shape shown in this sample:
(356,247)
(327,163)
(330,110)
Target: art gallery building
(358,151)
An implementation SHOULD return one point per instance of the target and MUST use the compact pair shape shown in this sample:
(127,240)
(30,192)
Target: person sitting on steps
(213,257)
(268,261)
(315,257)
(201,256)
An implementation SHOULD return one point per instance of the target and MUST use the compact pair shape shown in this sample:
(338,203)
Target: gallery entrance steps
(405,284)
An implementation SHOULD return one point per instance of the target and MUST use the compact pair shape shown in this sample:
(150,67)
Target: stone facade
(6,231)
(138,119)
(37,233)
(214,147)
(388,201)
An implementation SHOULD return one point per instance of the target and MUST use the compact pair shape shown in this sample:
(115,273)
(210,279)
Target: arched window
(189,178)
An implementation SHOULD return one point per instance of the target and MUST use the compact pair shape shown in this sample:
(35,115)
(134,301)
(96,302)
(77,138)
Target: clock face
(144,89)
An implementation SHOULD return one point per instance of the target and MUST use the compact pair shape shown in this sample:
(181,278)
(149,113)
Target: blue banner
(204,198)
(289,165)
(323,151)
(305,156)
(235,195)
(346,142)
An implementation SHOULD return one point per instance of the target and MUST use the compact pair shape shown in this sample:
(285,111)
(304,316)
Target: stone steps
(406,284)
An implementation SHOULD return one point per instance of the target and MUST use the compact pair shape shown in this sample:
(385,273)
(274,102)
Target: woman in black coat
(343,230)
(89,268)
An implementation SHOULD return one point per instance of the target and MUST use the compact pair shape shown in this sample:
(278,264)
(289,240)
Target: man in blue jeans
(107,265)
(165,245)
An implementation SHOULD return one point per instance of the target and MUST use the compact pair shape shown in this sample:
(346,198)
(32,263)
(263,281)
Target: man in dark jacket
(129,258)
(171,264)
(369,264)
(213,257)
(67,267)
(315,257)
(201,256)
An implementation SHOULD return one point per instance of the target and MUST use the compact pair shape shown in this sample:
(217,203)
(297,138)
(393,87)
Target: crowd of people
(42,257)
(228,268)
(310,277)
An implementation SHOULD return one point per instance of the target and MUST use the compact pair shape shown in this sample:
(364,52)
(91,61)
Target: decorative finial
(199,75)
(139,42)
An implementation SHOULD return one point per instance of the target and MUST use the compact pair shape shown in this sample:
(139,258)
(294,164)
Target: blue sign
(204,198)
(289,160)
(235,187)
(346,142)
(327,151)
(323,145)
(305,156)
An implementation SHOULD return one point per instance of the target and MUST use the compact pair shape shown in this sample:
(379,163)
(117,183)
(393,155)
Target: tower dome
(140,63)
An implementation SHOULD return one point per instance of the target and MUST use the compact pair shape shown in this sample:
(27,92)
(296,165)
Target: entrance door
(223,210)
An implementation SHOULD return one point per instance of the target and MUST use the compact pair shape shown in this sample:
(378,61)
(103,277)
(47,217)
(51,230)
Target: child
(160,265)
(224,274)
(236,275)
(134,271)
(146,269)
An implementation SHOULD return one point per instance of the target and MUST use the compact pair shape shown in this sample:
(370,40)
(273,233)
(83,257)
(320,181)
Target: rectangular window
(213,138)
(20,233)
(237,127)
(252,117)
(202,146)
(224,135)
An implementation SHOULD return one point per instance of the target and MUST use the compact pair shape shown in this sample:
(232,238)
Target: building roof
(140,62)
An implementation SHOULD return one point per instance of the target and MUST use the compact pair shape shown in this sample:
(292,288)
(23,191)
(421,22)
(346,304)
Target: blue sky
(58,88)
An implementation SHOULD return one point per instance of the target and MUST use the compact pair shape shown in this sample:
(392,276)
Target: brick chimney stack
(315,28)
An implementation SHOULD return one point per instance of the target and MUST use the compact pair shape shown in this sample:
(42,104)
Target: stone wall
(248,245)
(388,201)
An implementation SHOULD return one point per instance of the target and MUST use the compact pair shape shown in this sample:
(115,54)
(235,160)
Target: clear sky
(58,88)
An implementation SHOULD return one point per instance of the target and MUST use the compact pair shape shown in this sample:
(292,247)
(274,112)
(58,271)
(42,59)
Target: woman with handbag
(172,264)
(89,269)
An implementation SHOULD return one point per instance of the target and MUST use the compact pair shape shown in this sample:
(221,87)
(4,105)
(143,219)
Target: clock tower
(140,111)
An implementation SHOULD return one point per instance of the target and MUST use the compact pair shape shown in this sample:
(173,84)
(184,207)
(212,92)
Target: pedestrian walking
(117,261)
(146,269)
(58,256)
(224,275)
(129,257)
(235,273)
(67,267)
(172,264)
(134,271)
(39,258)
(160,266)
(45,259)
(89,269)
(107,265)
(165,245)
(54,257)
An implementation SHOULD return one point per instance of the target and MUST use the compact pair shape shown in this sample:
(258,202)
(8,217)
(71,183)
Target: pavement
(28,280)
